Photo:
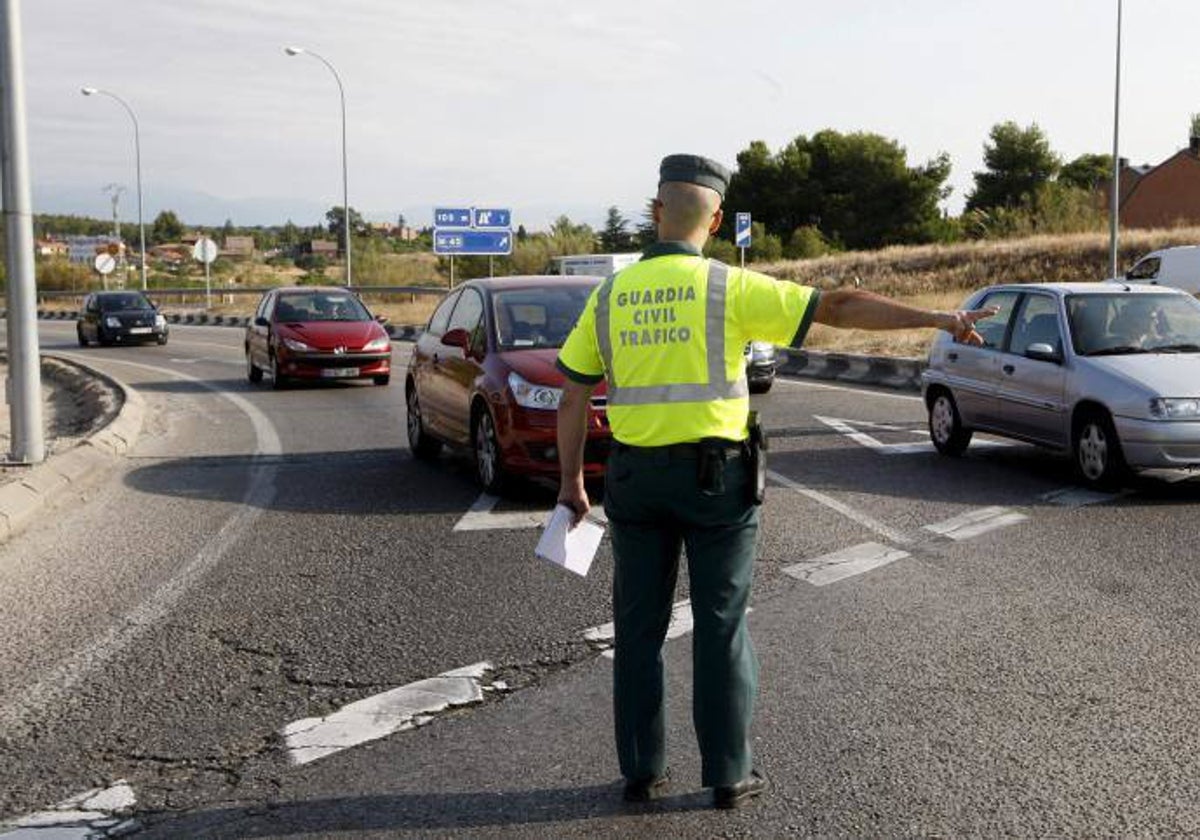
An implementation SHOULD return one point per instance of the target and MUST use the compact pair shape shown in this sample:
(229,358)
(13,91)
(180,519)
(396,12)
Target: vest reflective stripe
(717,387)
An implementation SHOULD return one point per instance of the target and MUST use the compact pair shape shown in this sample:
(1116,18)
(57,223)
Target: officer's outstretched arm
(860,309)
(572,435)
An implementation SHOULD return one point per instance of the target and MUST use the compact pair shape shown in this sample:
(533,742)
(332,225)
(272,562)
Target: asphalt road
(955,647)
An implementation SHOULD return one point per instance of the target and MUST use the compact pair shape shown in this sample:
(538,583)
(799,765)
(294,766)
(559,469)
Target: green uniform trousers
(655,508)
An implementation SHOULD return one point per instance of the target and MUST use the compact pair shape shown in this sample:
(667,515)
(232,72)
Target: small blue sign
(459,217)
(491,218)
(472,242)
(742,234)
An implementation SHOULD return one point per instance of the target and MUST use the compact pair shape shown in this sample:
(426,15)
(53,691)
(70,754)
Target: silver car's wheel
(945,426)
(488,469)
(1098,456)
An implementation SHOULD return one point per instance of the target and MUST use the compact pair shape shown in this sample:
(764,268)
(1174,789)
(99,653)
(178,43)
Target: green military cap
(693,169)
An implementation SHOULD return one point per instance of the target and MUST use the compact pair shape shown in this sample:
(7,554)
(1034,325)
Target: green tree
(857,189)
(228,230)
(647,231)
(1019,161)
(1086,171)
(805,243)
(615,237)
(166,228)
(335,220)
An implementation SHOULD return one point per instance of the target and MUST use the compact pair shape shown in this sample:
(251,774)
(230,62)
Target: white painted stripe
(976,522)
(1073,497)
(86,816)
(481,518)
(260,490)
(830,568)
(681,624)
(798,383)
(864,439)
(885,531)
(376,717)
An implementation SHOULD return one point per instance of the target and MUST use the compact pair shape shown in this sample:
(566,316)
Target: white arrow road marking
(976,522)
(864,439)
(889,533)
(376,717)
(839,565)
(90,815)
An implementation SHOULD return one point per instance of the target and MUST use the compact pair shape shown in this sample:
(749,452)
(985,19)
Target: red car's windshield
(537,318)
(320,306)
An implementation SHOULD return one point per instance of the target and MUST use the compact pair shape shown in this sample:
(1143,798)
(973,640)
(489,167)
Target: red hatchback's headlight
(377,345)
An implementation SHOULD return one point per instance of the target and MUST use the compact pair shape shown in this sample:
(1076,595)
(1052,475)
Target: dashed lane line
(862,518)
(849,562)
(90,815)
(976,522)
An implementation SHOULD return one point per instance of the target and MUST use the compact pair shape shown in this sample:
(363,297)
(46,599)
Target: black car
(120,318)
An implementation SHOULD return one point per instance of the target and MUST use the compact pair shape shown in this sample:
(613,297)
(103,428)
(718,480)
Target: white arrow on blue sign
(459,217)
(742,230)
(472,242)
(492,218)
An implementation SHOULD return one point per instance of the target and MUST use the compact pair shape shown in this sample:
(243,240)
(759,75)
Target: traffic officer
(668,333)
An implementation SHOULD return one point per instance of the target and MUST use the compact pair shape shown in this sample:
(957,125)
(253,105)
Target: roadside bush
(806,242)
(58,275)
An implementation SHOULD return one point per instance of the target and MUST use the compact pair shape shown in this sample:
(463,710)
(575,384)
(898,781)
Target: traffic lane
(83,584)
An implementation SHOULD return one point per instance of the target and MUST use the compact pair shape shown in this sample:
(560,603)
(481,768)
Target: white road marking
(885,531)
(825,387)
(260,490)
(846,428)
(1073,497)
(976,522)
(680,624)
(839,565)
(481,517)
(90,815)
(376,717)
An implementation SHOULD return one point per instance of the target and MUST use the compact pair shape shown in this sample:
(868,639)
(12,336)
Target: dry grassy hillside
(941,276)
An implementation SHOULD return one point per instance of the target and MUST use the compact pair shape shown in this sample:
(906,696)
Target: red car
(316,332)
(482,376)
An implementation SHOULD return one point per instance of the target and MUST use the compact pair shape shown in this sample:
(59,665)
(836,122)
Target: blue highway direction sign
(458,217)
(492,218)
(472,242)
(742,234)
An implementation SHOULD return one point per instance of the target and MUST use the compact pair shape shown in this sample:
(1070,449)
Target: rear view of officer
(686,469)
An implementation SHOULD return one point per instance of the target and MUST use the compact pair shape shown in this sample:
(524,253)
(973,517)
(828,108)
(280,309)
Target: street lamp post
(1115,201)
(345,189)
(137,151)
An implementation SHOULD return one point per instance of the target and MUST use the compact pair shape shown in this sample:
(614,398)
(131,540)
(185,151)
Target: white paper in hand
(572,548)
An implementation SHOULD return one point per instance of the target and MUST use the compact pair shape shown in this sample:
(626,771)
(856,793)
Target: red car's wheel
(489,470)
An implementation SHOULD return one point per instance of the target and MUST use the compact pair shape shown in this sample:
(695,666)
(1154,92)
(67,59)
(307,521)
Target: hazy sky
(562,107)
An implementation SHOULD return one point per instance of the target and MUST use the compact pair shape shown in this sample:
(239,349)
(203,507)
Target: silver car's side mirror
(1043,352)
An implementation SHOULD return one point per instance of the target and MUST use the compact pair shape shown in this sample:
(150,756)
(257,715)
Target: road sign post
(742,234)
(205,251)
(472,231)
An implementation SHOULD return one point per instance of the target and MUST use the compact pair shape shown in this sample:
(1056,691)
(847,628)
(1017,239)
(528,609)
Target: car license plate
(139,330)
(338,372)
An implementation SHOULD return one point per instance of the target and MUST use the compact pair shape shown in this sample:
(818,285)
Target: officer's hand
(575,497)
(961,324)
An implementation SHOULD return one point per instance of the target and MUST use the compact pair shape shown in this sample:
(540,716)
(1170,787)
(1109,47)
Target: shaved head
(685,211)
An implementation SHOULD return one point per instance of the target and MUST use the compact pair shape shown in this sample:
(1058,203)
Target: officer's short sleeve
(772,310)
(579,359)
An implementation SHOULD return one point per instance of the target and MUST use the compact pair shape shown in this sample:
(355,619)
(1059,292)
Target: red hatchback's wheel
(489,471)
(422,445)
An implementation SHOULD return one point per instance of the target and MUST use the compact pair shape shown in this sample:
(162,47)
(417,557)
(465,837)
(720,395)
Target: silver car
(1108,372)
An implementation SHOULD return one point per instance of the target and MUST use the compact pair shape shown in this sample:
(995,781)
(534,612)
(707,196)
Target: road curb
(47,483)
(900,373)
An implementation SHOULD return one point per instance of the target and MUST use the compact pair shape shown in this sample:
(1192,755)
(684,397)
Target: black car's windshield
(1122,323)
(130,302)
(537,318)
(298,307)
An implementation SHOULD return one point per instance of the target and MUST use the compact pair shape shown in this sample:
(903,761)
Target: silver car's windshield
(537,318)
(1123,323)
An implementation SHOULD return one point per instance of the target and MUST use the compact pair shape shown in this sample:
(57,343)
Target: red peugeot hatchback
(482,376)
(316,332)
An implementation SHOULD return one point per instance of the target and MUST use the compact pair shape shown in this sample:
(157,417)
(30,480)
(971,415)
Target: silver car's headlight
(529,395)
(1175,408)
(761,351)
(112,321)
(296,346)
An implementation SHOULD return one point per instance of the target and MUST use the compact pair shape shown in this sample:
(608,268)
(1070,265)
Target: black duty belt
(683,451)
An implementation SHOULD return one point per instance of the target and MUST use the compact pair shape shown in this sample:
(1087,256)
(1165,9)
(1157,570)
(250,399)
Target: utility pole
(24,383)
(1115,200)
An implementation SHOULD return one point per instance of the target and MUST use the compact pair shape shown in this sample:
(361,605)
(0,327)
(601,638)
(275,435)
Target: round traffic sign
(205,250)
(105,263)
